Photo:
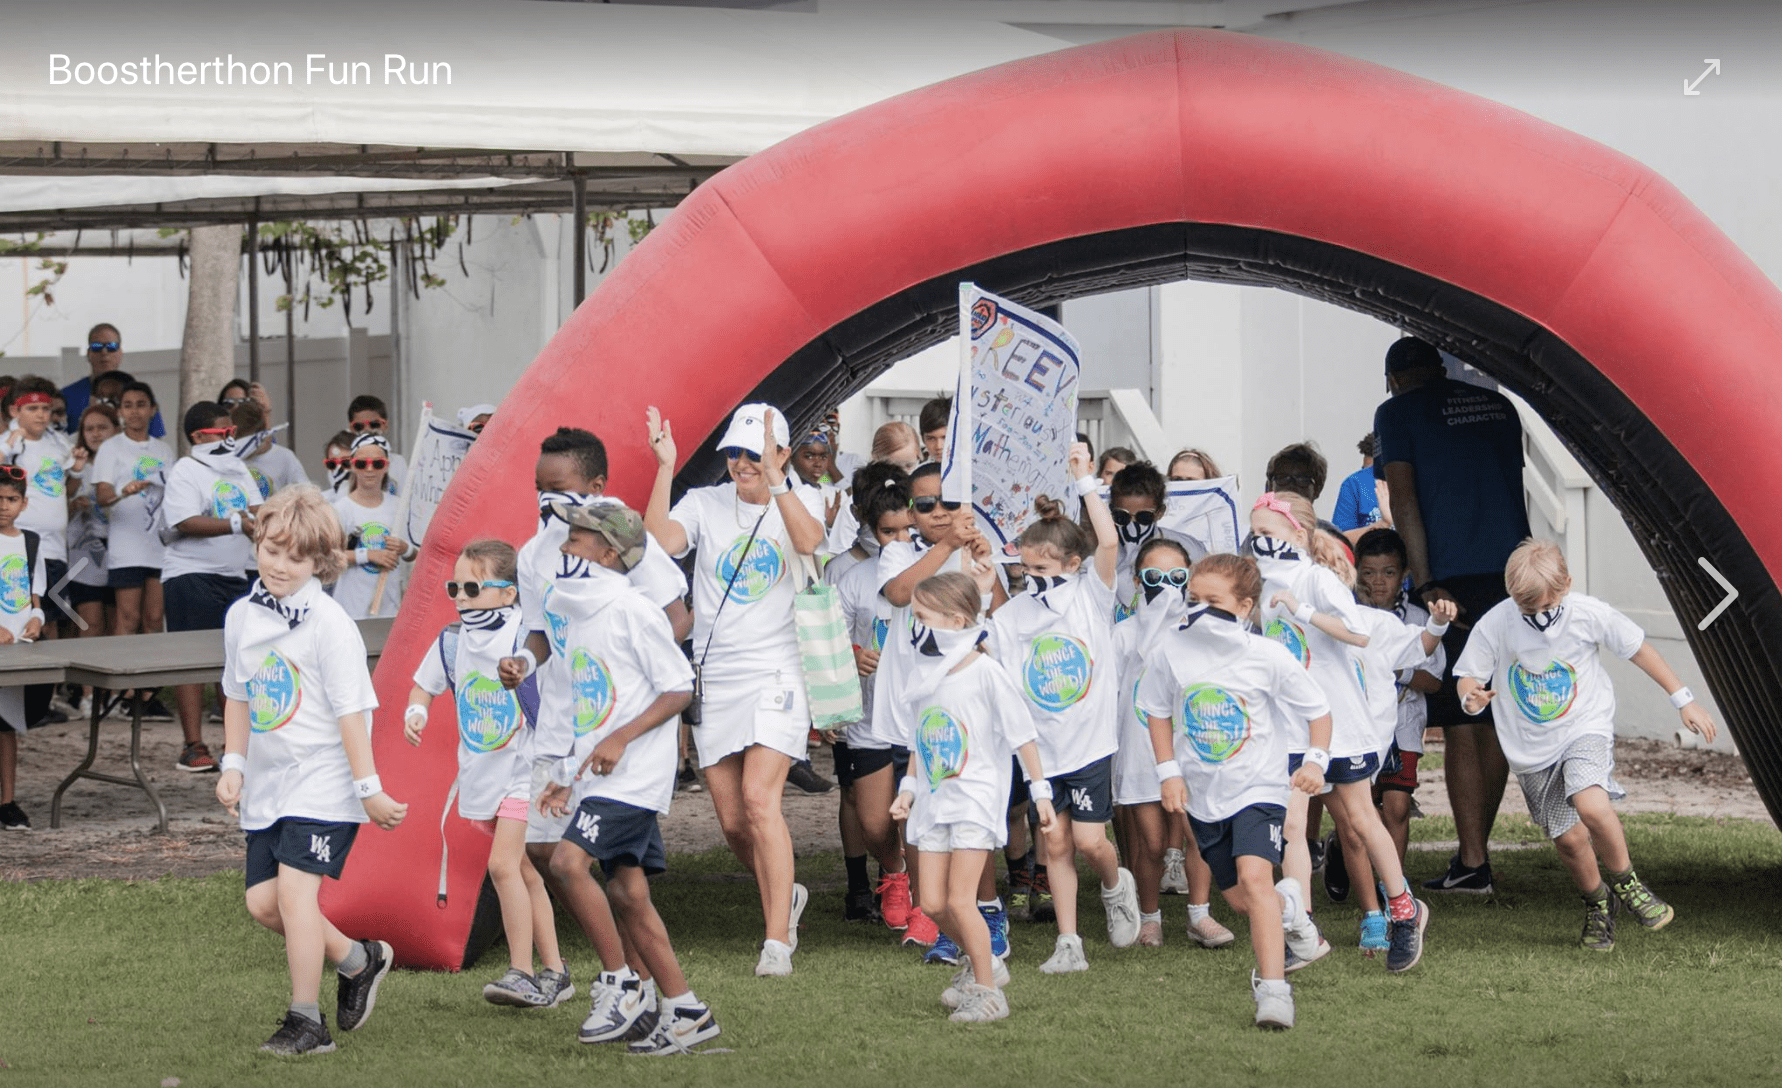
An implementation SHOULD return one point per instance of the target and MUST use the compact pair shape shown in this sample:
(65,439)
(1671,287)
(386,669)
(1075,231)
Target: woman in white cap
(754,714)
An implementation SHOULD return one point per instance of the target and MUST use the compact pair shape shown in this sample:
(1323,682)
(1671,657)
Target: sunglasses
(373,463)
(332,463)
(12,472)
(363,425)
(477,428)
(737,453)
(1281,483)
(104,345)
(471,589)
(1155,576)
(230,402)
(925,504)
(1144,518)
(227,432)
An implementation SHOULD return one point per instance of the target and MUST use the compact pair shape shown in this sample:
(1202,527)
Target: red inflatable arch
(1574,275)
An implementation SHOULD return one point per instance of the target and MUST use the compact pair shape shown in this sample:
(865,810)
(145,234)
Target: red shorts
(1399,772)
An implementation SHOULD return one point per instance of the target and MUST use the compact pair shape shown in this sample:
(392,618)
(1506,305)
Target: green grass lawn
(110,983)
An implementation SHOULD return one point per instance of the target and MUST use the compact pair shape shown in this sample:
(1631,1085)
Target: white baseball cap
(745,428)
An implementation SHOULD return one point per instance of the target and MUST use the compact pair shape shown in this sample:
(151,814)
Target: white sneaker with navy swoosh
(678,1030)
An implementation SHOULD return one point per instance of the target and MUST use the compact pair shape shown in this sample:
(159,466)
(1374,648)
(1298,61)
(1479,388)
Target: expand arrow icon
(1689,86)
(1732,594)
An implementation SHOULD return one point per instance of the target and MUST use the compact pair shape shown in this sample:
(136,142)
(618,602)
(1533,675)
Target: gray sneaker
(1274,1003)
(1067,956)
(1303,938)
(555,986)
(1175,873)
(1122,907)
(516,988)
(980,1004)
(953,996)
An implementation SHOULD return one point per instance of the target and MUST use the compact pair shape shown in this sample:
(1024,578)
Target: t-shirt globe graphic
(372,535)
(49,478)
(1292,636)
(488,714)
(556,624)
(591,695)
(1058,672)
(881,629)
(1544,696)
(262,481)
(226,497)
(146,467)
(1214,722)
(15,585)
(274,693)
(942,746)
(761,568)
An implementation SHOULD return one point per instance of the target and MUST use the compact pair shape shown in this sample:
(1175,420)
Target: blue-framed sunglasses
(1155,576)
(737,453)
(471,589)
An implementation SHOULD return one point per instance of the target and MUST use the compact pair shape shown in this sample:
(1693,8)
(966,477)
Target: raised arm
(1107,538)
(806,532)
(667,531)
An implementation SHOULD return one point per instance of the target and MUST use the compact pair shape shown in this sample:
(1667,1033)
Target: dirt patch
(108,831)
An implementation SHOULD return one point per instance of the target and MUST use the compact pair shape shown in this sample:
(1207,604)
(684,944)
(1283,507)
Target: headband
(31,398)
(1268,501)
(369,439)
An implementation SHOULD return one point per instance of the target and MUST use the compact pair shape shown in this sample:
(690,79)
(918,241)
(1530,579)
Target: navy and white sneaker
(943,951)
(998,920)
(555,986)
(516,989)
(1460,878)
(298,1035)
(678,1031)
(1407,940)
(357,994)
(619,1003)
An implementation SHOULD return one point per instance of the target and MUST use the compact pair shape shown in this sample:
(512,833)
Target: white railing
(1557,487)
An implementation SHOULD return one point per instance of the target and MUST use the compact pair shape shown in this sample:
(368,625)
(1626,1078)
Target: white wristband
(234,761)
(1168,769)
(985,600)
(908,785)
(784,487)
(361,556)
(368,787)
(1039,789)
(1318,758)
(1466,704)
(1088,485)
(36,614)
(525,654)
(1434,628)
(1304,613)
(1682,697)
(235,523)
(417,712)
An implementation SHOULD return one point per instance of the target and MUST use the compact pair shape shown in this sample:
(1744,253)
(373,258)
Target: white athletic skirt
(770,710)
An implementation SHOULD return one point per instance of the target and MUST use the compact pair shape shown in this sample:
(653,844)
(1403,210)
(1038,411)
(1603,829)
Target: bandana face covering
(286,609)
(546,498)
(1154,592)
(933,642)
(1039,585)
(1268,547)
(1199,611)
(1134,533)
(572,566)
(1546,620)
(485,619)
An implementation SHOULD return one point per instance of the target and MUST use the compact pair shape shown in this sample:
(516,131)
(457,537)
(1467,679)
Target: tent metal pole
(253,262)
(290,352)
(581,237)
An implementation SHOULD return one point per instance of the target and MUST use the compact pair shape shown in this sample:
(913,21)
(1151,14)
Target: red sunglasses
(227,432)
(332,463)
(362,462)
(364,425)
(12,472)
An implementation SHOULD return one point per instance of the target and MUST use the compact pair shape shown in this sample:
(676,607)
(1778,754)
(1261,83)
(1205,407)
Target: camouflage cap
(621,526)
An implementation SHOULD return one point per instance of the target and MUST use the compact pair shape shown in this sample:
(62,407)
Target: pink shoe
(921,930)
(894,900)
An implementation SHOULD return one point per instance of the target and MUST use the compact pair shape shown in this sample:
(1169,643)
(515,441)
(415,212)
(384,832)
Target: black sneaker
(1315,848)
(860,906)
(1460,878)
(804,778)
(299,1035)
(688,779)
(13,818)
(153,710)
(1336,873)
(1407,939)
(358,993)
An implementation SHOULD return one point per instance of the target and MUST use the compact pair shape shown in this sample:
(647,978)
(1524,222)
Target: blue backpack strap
(528,689)
(448,654)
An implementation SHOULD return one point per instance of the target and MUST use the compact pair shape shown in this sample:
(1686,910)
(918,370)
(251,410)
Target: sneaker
(688,779)
(1303,938)
(862,906)
(921,929)
(1020,891)
(1274,1003)
(942,951)
(954,995)
(13,818)
(1175,873)
(800,896)
(1208,933)
(357,995)
(1067,956)
(803,778)
(1122,907)
(776,960)
(555,986)
(678,1031)
(516,989)
(1460,878)
(298,1035)
(998,921)
(1040,908)
(617,1007)
(1315,849)
(1407,940)
(153,710)
(894,900)
(195,758)
(1599,924)
(1336,873)
(1150,934)
(980,1004)
(1651,911)
(1373,933)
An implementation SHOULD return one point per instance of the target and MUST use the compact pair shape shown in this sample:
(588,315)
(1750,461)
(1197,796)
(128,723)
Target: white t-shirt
(868,616)
(373,526)
(1336,666)
(88,529)
(841,563)
(1551,687)
(657,576)
(298,683)
(1413,705)
(198,489)
(494,741)
(1062,659)
(755,635)
(1392,645)
(897,655)
(276,468)
(961,739)
(46,488)
(1133,641)
(1237,704)
(17,585)
(621,656)
(121,461)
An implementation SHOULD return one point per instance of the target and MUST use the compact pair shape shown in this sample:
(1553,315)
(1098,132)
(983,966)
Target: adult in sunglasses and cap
(748,533)
(105,352)
(368,512)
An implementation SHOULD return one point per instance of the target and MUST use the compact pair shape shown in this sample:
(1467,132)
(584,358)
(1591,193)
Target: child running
(1224,706)
(1554,710)
(618,779)
(368,511)
(1058,637)
(965,720)
(494,783)
(1136,500)
(297,764)
(1311,611)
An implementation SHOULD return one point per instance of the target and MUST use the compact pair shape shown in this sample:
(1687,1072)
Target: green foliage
(344,260)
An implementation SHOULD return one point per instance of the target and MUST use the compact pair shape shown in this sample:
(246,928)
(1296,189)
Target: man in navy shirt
(105,351)
(1453,461)
(1358,502)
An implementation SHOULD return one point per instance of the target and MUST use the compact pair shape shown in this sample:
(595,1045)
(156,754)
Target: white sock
(649,993)
(990,904)
(1198,912)
(685,1000)
(782,944)
(1154,916)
